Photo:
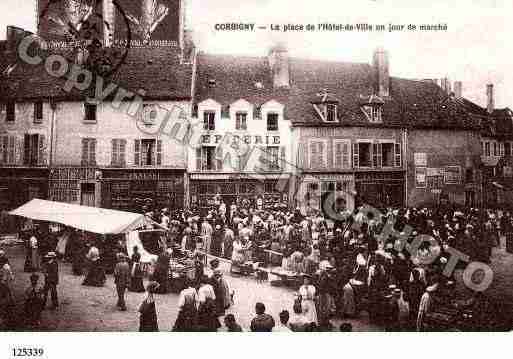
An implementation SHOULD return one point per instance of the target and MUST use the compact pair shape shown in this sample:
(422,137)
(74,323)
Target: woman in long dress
(32,263)
(207,318)
(307,292)
(188,309)
(96,275)
(136,274)
(237,253)
(148,312)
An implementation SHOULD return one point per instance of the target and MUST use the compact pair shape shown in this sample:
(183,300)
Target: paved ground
(93,309)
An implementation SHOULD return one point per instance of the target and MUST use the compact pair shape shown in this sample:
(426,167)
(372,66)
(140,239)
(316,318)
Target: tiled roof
(157,71)
(412,103)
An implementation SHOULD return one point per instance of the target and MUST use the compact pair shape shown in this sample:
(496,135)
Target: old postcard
(255,166)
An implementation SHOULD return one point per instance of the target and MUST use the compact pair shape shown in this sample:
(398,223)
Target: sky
(476,48)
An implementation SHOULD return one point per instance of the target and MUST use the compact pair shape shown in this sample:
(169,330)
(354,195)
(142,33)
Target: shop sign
(431,172)
(246,139)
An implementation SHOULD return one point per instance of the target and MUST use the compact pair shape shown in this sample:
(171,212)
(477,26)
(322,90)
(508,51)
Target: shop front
(132,189)
(75,185)
(380,189)
(242,190)
(329,193)
(20,185)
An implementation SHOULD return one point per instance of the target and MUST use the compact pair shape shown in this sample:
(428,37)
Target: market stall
(99,221)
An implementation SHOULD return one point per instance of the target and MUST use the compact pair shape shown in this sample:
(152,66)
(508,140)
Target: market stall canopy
(90,219)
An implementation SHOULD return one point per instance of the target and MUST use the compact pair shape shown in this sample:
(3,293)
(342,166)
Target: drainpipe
(53,106)
(405,164)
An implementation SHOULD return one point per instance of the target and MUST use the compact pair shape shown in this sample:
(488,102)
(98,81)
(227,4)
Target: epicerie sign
(247,139)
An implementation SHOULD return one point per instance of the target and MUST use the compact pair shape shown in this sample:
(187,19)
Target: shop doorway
(87,197)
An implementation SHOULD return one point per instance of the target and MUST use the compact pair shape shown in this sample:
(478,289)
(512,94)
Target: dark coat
(122,274)
(52,272)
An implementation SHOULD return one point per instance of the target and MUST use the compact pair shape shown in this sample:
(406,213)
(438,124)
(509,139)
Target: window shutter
(346,161)
(121,153)
(237,122)
(159,153)
(198,159)
(3,149)
(376,155)
(114,158)
(313,154)
(282,163)
(137,152)
(398,155)
(322,153)
(219,158)
(338,155)
(356,156)
(41,160)
(26,149)
(85,151)
(12,149)
(92,152)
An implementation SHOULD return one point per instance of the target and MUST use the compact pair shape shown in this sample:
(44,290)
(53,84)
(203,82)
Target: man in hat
(122,279)
(51,274)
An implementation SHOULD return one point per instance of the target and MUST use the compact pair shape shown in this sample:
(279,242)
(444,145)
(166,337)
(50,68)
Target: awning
(90,219)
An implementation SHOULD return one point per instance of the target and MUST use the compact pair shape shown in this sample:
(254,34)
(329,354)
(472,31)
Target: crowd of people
(342,267)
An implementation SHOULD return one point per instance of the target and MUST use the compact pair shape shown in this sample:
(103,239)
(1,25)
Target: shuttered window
(318,154)
(118,158)
(209,123)
(147,152)
(341,154)
(38,112)
(8,150)
(34,150)
(241,121)
(88,152)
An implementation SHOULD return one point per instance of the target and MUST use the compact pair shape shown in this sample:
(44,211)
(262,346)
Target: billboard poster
(119,23)
(147,23)
(64,23)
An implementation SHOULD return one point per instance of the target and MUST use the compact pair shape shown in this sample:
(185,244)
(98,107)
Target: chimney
(109,21)
(279,63)
(490,100)
(189,47)
(445,84)
(381,72)
(458,89)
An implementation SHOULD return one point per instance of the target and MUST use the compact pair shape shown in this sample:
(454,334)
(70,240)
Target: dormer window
(372,107)
(373,113)
(331,112)
(149,114)
(326,106)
